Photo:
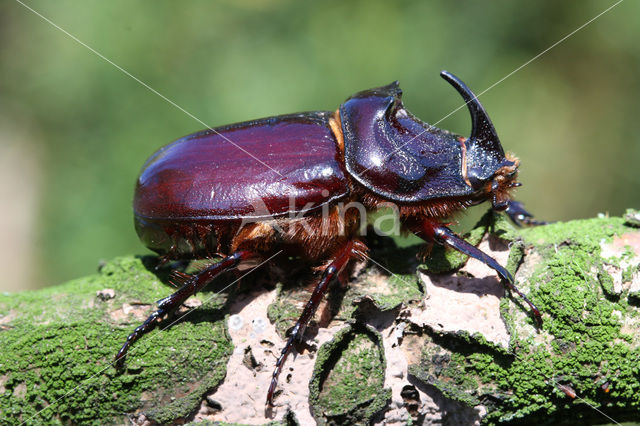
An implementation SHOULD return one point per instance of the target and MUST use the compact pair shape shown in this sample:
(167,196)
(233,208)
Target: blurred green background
(74,130)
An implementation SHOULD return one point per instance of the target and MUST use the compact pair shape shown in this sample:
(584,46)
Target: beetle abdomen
(193,194)
(205,176)
(179,239)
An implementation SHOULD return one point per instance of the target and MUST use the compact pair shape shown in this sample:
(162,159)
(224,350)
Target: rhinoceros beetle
(197,197)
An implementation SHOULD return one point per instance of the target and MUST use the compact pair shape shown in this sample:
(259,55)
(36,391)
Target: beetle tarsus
(519,216)
(169,304)
(446,236)
(352,249)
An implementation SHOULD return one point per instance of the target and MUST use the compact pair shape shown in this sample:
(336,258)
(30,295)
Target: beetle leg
(446,236)
(170,303)
(519,216)
(434,231)
(350,250)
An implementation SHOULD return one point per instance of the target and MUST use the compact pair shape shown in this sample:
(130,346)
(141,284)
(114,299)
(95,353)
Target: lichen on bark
(58,345)
(587,339)
(347,385)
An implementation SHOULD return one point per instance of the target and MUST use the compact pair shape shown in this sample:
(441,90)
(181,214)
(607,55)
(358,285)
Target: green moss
(285,311)
(587,233)
(606,281)
(348,377)
(451,380)
(403,289)
(56,354)
(516,255)
(385,290)
(627,273)
(447,359)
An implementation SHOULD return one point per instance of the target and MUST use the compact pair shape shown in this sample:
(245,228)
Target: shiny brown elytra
(242,191)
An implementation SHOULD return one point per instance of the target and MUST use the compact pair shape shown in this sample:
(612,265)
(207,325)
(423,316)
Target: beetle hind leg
(352,249)
(170,303)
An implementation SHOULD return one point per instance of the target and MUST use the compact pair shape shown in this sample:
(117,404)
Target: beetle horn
(482,131)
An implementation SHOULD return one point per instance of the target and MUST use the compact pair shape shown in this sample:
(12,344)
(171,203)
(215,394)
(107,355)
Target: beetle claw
(519,216)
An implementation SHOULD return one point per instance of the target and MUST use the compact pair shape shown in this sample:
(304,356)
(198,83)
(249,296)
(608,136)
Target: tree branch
(438,341)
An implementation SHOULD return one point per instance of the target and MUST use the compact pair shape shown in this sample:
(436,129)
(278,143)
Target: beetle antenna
(482,130)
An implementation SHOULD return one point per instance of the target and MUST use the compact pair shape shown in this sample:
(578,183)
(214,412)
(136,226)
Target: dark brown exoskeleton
(203,195)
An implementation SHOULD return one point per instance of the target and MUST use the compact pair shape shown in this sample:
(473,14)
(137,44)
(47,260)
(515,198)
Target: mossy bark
(58,343)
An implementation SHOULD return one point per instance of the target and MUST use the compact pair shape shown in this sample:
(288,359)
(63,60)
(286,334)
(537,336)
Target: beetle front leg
(170,303)
(434,231)
(350,250)
(518,215)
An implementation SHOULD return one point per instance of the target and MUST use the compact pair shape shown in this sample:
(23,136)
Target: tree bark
(432,342)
